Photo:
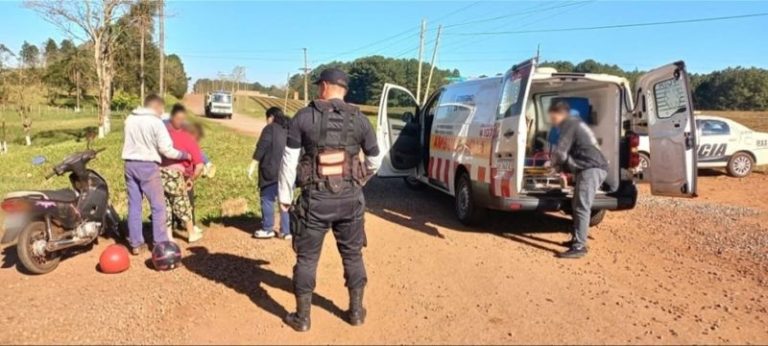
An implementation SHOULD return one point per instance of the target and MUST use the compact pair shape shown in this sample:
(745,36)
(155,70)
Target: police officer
(323,158)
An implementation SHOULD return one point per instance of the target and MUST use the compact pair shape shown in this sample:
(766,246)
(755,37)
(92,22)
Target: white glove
(251,169)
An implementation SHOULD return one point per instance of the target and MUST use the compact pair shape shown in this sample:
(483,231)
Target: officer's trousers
(343,213)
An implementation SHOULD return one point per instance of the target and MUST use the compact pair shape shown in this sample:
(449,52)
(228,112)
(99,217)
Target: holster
(298,215)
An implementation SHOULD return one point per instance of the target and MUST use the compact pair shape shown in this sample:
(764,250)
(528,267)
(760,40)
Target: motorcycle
(47,223)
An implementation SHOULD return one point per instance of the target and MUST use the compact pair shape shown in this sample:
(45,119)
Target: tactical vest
(334,160)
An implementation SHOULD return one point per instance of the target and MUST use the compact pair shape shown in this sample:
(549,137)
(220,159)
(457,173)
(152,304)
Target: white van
(485,141)
(219,105)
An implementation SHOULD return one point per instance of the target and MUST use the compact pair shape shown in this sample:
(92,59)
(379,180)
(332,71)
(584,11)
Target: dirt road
(669,271)
(241,123)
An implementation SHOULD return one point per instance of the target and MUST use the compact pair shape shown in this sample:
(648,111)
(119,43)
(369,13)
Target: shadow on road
(426,210)
(246,276)
(246,223)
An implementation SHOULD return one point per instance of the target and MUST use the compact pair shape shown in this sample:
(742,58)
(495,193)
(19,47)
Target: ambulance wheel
(597,217)
(740,165)
(466,209)
(413,183)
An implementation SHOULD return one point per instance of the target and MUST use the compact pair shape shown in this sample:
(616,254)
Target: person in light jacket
(146,142)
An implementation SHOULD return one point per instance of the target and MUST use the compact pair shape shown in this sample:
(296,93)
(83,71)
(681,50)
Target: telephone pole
(421,50)
(162,47)
(306,77)
(432,65)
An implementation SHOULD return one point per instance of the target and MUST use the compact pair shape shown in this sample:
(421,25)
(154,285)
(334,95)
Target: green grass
(230,152)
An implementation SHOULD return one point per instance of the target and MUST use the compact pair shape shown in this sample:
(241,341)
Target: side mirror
(407,117)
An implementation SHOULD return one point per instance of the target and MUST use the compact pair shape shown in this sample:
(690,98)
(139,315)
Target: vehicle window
(455,108)
(512,96)
(223,98)
(431,108)
(399,103)
(670,98)
(713,127)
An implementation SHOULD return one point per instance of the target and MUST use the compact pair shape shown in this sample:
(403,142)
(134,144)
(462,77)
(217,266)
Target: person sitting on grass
(179,176)
(269,155)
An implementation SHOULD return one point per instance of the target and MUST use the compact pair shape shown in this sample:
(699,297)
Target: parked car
(722,143)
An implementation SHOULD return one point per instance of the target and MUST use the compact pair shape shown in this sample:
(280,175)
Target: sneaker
(199,230)
(195,236)
(137,250)
(262,234)
(573,252)
(287,236)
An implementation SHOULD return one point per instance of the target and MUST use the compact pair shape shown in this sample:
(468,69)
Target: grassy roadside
(55,137)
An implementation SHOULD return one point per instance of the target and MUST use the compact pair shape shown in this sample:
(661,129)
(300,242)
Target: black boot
(356,313)
(299,320)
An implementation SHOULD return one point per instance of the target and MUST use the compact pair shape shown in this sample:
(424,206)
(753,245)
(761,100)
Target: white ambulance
(485,141)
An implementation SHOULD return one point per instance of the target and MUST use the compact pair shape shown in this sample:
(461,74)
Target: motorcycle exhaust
(66,243)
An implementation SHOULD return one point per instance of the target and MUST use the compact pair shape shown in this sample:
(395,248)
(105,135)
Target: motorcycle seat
(65,195)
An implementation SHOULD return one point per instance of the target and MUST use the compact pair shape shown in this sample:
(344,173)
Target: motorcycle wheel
(30,237)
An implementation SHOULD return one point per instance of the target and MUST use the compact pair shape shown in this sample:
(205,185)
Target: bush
(123,100)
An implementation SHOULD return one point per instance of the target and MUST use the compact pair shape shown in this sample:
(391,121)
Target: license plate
(13,222)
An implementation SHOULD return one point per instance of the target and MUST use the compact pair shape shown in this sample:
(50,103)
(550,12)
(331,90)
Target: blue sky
(267,37)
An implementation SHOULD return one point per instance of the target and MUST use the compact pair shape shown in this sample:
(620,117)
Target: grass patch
(56,136)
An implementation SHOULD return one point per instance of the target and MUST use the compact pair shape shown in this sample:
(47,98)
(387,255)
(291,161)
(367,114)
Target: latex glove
(251,169)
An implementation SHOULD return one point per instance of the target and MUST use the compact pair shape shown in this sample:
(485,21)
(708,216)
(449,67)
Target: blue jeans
(268,196)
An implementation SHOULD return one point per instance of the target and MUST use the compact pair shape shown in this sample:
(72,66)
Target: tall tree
(175,76)
(5,55)
(92,21)
(50,52)
(30,55)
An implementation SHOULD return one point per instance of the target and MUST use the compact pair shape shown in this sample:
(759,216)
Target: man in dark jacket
(269,155)
(578,152)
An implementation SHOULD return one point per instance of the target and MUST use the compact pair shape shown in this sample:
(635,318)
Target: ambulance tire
(597,217)
(413,183)
(740,165)
(467,211)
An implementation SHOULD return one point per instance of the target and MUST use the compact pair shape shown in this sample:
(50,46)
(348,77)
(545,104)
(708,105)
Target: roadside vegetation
(61,134)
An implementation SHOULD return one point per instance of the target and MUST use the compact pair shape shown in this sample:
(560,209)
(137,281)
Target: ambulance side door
(398,132)
(664,101)
(508,156)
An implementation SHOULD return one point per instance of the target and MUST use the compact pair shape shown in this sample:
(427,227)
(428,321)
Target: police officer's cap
(333,76)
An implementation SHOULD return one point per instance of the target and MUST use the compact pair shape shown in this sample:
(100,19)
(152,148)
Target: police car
(485,141)
(722,143)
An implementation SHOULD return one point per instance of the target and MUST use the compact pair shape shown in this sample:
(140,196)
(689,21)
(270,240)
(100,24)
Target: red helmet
(114,259)
(166,255)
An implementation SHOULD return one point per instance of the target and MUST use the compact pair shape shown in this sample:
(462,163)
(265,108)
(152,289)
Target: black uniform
(334,202)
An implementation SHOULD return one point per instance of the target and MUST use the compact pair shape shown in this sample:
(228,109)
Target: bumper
(623,199)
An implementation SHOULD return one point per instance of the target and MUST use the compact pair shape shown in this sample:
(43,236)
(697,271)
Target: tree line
(110,57)
(733,88)
(367,76)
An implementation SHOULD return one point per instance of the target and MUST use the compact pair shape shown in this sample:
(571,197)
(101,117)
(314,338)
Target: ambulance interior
(597,103)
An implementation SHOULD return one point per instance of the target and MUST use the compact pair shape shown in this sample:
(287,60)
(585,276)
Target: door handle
(509,133)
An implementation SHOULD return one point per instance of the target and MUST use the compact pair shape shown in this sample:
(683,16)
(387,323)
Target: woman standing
(179,176)
(269,155)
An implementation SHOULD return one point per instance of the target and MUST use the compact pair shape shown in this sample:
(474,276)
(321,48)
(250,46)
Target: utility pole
(421,50)
(287,89)
(432,65)
(306,77)
(162,47)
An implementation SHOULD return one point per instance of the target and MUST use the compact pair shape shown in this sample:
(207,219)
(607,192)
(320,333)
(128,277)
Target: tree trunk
(77,91)
(4,143)
(104,73)
(141,57)
(162,48)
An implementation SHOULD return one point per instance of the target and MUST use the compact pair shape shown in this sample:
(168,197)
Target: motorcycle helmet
(166,255)
(114,259)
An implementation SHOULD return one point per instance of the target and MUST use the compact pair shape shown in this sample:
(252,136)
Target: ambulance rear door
(665,103)
(508,156)
(398,132)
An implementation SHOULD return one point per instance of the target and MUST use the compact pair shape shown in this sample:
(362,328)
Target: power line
(615,26)
(532,10)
